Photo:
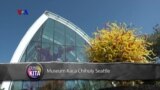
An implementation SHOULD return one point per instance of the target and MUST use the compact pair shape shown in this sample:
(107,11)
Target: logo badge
(22,12)
(34,71)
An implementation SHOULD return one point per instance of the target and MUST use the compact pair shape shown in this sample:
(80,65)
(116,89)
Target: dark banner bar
(56,70)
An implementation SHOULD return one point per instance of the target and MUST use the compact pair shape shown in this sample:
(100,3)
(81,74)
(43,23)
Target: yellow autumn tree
(117,43)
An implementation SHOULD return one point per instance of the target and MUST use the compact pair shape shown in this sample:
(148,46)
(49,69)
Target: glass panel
(23,59)
(46,52)
(59,33)
(80,41)
(48,29)
(58,53)
(52,85)
(81,55)
(17,85)
(70,37)
(78,85)
(30,85)
(70,53)
(37,36)
(100,84)
(33,52)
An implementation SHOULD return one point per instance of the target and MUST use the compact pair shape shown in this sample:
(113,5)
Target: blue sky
(87,14)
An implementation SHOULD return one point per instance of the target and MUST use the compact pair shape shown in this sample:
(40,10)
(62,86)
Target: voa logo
(22,12)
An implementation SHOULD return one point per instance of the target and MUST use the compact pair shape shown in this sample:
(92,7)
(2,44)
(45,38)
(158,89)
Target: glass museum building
(52,38)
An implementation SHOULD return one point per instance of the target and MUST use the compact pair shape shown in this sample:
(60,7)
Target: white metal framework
(6,85)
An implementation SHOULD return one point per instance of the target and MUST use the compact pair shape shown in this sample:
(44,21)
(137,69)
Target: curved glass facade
(55,41)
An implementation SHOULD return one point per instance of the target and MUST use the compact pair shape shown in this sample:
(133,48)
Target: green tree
(155,39)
